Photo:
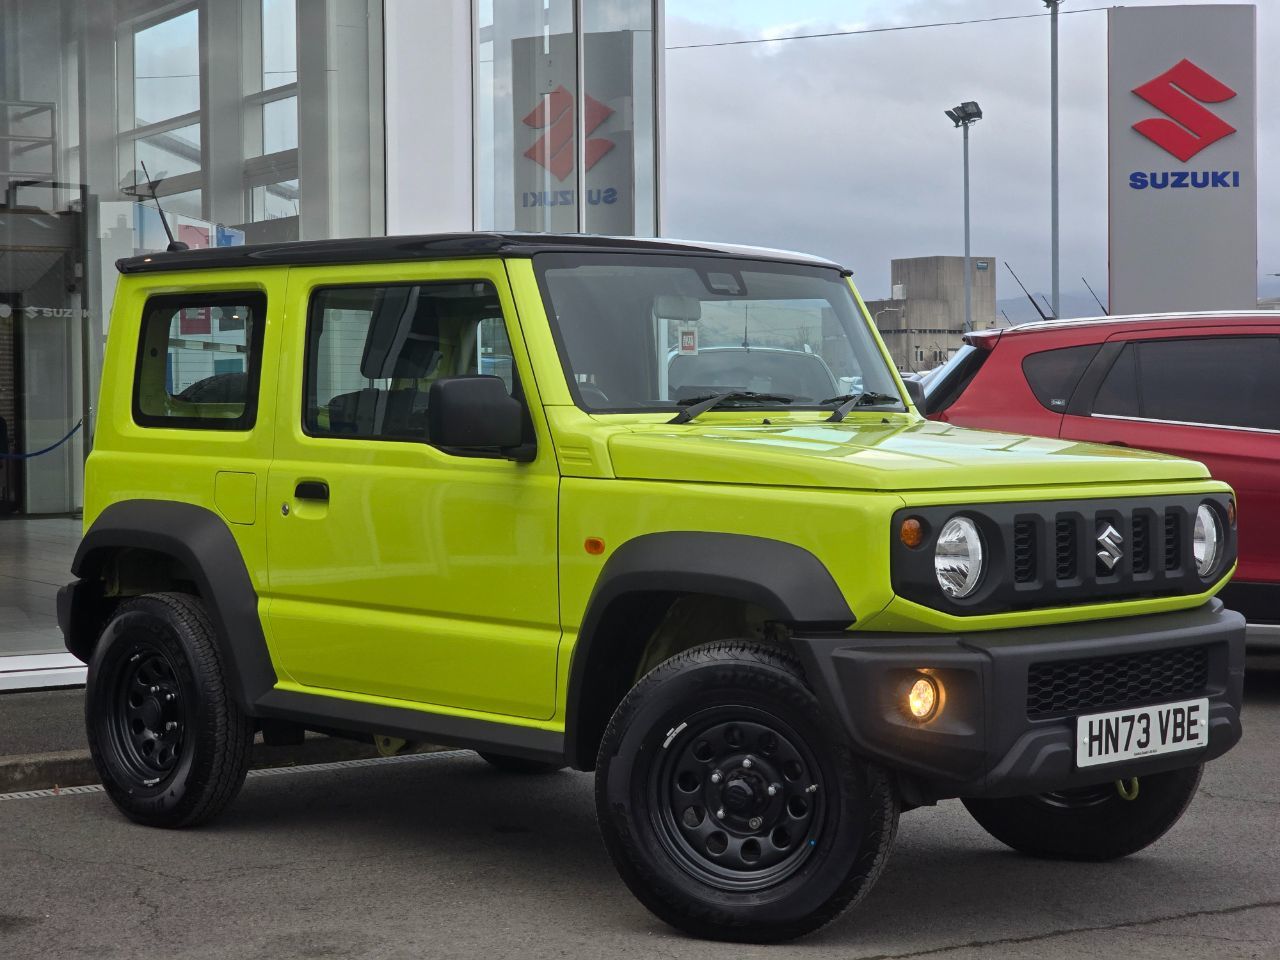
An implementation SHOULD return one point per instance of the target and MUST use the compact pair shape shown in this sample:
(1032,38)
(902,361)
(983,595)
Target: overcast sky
(838,146)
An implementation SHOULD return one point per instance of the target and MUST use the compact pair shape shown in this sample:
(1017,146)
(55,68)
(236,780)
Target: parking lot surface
(441,856)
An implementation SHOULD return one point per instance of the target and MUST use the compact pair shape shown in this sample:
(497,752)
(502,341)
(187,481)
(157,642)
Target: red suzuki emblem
(1178,93)
(554,149)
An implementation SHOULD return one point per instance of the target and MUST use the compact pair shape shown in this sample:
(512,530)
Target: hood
(894,456)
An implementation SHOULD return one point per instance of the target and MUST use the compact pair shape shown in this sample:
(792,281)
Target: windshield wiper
(850,400)
(696,406)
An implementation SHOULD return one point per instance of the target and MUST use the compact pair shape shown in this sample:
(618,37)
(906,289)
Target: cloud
(839,146)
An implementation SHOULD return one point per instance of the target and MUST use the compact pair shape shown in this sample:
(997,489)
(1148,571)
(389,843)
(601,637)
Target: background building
(262,120)
(923,321)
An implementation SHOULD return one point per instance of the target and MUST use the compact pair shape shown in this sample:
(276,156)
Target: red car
(1204,386)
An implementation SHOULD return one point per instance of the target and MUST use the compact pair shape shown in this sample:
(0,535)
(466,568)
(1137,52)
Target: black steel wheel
(731,805)
(147,721)
(168,739)
(1104,821)
(737,799)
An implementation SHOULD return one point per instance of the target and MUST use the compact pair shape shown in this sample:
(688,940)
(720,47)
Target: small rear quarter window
(1054,374)
(199,358)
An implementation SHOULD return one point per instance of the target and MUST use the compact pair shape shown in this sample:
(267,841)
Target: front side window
(374,351)
(640,332)
(198,361)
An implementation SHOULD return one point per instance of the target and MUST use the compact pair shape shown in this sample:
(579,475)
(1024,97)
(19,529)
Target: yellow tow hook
(1127,791)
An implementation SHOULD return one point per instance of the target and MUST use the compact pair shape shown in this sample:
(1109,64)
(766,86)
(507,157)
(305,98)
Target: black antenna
(1006,317)
(1105,311)
(1052,315)
(174,245)
(1034,305)
(746,324)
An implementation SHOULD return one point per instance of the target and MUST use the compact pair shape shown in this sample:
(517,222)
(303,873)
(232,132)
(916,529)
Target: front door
(399,570)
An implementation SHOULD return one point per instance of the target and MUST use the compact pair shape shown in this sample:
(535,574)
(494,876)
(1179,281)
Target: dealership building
(266,120)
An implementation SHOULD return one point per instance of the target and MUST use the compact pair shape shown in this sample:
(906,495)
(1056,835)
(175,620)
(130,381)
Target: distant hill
(1074,304)
(1078,303)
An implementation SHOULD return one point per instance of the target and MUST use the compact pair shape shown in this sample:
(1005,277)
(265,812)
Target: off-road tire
(695,715)
(1095,823)
(155,664)
(518,764)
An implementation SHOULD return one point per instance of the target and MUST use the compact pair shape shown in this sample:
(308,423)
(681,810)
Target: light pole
(964,116)
(1053,150)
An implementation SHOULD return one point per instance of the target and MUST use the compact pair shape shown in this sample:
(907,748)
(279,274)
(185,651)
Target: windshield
(642,332)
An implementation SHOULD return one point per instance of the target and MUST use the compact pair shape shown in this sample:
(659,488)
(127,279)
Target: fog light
(922,699)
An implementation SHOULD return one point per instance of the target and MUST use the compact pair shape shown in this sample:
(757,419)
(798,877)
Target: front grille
(1024,551)
(1112,683)
(1172,541)
(1065,552)
(1141,543)
(1065,548)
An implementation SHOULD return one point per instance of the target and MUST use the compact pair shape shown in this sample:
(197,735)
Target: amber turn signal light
(593,546)
(911,533)
(1231,512)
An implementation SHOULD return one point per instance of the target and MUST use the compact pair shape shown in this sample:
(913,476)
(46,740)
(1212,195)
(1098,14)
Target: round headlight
(1206,539)
(957,559)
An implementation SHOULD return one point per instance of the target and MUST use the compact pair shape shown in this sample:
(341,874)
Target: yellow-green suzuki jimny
(661,510)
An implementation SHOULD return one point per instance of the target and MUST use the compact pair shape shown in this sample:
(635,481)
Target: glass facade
(251,120)
(565,125)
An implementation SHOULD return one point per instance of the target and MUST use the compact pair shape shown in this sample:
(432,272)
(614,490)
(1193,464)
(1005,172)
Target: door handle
(312,490)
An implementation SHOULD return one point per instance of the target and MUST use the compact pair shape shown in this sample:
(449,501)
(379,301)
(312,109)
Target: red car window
(1054,374)
(1224,381)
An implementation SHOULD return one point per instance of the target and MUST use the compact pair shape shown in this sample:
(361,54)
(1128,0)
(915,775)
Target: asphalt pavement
(440,856)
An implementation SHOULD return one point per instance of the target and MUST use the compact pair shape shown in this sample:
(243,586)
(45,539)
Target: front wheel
(1102,822)
(732,807)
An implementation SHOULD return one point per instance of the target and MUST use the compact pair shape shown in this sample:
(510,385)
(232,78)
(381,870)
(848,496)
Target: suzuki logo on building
(554,149)
(1187,127)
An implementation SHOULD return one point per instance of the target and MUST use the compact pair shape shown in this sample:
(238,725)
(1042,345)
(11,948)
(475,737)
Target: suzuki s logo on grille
(1109,543)
(554,149)
(1187,127)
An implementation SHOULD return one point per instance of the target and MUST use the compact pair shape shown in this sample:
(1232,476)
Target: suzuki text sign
(1182,176)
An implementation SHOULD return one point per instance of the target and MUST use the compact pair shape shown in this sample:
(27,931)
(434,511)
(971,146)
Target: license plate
(1143,732)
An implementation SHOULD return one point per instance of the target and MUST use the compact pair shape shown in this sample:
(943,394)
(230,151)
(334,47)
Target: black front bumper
(985,740)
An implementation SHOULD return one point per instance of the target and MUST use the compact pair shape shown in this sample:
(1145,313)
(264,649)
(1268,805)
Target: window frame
(309,367)
(256,301)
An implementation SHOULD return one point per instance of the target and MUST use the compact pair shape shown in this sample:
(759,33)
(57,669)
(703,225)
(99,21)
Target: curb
(74,768)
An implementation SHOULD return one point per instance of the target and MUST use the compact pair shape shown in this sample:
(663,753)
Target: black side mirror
(915,390)
(475,413)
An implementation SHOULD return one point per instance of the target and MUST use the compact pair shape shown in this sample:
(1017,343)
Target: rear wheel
(731,806)
(168,740)
(1101,822)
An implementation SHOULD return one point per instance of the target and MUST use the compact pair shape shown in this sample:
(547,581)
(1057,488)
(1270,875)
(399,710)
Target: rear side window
(374,351)
(1227,381)
(1217,381)
(1054,374)
(199,359)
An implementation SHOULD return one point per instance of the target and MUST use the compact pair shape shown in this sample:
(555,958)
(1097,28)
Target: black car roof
(441,246)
